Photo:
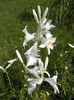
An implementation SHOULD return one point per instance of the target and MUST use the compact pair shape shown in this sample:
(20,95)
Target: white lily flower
(46,26)
(10,63)
(32,55)
(28,36)
(33,83)
(34,71)
(19,56)
(48,42)
(71,45)
(53,81)
(43,67)
(2,68)
(35,16)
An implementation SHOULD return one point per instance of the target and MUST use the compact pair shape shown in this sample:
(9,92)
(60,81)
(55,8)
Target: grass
(14,15)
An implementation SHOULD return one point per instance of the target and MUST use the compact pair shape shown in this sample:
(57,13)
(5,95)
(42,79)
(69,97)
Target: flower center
(49,43)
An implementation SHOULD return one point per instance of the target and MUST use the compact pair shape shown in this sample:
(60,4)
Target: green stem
(8,79)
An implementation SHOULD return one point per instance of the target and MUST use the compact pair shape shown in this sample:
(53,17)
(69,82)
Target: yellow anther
(49,43)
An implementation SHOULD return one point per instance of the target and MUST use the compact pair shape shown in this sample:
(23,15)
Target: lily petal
(52,83)
(1,68)
(47,73)
(42,46)
(71,45)
(10,63)
(33,83)
(31,60)
(34,71)
(46,63)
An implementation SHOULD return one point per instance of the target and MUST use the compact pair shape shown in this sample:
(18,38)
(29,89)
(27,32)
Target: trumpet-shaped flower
(38,72)
(53,81)
(33,83)
(48,42)
(43,67)
(32,55)
(28,36)
(46,26)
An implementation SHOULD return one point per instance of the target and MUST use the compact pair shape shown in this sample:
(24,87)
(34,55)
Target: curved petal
(10,63)
(25,30)
(24,43)
(47,73)
(48,35)
(52,83)
(34,71)
(71,45)
(31,88)
(42,46)
(1,68)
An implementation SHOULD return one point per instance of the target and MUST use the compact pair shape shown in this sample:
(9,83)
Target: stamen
(49,43)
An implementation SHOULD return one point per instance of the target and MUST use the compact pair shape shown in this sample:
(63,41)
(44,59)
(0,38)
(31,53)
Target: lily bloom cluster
(42,38)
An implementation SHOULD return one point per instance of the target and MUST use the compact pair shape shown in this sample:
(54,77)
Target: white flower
(43,67)
(32,55)
(71,45)
(2,68)
(28,36)
(10,63)
(33,83)
(34,71)
(46,25)
(48,42)
(19,56)
(53,81)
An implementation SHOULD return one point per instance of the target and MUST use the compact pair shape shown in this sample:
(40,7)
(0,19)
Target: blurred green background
(14,15)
